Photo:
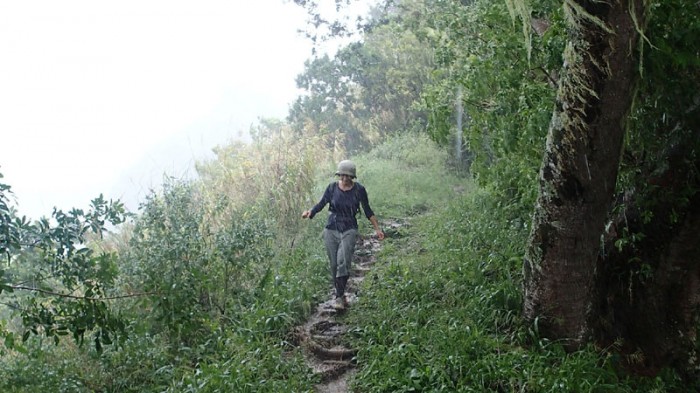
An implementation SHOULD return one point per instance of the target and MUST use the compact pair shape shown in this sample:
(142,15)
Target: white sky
(104,96)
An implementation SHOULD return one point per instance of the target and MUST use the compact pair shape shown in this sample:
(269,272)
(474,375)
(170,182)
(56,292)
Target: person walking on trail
(345,198)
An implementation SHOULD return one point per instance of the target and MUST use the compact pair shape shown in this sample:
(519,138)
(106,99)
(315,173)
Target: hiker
(345,197)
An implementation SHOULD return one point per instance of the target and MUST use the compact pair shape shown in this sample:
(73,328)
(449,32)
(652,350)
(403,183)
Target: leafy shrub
(142,363)
(194,270)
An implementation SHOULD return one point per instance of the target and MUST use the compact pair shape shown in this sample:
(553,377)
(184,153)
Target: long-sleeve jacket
(344,206)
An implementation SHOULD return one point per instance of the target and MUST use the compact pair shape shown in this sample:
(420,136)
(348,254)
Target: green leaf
(10,340)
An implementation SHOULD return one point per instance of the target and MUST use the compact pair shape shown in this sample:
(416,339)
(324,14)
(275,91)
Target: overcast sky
(105,96)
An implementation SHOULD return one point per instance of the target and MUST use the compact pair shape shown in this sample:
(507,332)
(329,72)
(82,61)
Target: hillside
(544,180)
(439,309)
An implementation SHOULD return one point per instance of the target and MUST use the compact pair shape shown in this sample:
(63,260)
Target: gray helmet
(346,167)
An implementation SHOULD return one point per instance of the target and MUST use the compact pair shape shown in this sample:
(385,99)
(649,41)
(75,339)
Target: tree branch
(9,305)
(66,295)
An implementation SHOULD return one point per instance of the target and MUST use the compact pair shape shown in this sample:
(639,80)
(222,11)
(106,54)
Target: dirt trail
(321,335)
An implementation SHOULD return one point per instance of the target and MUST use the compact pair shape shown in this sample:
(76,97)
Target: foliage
(221,288)
(664,121)
(51,368)
(507,98)
(325,110)
(10,226)
(54,280)
(367,90)
(216,255)
(253,352)
(229,269)
(323,26)
(443,315)
(190,267)
(406,72)
(394,67)
(275,173)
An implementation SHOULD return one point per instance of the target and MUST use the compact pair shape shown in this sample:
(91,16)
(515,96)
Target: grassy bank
(442,314)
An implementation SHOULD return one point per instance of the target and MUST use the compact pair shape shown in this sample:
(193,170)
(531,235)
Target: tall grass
(407,175)
(442,312)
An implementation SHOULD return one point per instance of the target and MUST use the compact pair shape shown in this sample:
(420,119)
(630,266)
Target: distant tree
(369,88)
(327,26)
(394,68)
(327,108)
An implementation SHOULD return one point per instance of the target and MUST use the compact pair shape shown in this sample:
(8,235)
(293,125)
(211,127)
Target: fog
(106,97)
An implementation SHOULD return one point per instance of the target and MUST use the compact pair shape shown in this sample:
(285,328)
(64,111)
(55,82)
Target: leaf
(10,340)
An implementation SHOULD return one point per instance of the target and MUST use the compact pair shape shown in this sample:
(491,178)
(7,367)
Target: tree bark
(648,292)
(580,166)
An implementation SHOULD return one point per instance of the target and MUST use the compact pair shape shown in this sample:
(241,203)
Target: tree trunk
(580,166)
(648,292)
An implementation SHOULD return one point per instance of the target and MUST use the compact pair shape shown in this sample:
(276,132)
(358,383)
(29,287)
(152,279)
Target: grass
(406,176)
(442,314)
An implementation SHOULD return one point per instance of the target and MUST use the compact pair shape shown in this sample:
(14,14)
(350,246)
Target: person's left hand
(380,234)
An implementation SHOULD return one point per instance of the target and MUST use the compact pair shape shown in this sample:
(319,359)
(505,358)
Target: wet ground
(322,334)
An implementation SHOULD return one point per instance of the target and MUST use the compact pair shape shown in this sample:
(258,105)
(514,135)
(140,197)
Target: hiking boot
(339,303)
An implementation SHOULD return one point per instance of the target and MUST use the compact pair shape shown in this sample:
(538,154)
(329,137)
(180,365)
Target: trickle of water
(459,115)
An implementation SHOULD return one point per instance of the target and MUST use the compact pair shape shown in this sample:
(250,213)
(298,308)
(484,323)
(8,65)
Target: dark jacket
(344,206)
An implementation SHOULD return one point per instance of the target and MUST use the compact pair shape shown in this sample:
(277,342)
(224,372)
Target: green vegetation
(441,311)
(443,315)
(202,288)
(212,307)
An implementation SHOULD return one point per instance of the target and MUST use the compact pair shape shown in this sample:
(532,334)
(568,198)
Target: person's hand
(306,214)
(380,234)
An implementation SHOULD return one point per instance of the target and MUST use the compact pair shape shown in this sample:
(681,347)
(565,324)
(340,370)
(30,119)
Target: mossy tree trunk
(580,166)
(621,271)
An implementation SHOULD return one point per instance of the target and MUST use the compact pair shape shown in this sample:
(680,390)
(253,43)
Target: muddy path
(321,336)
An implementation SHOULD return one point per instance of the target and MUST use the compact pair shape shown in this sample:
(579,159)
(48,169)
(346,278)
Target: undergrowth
(441,313)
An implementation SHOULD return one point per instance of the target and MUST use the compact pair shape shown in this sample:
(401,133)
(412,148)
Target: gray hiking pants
(340,247)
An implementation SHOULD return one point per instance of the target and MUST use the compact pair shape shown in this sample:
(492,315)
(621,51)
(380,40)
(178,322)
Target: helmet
(346,167)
